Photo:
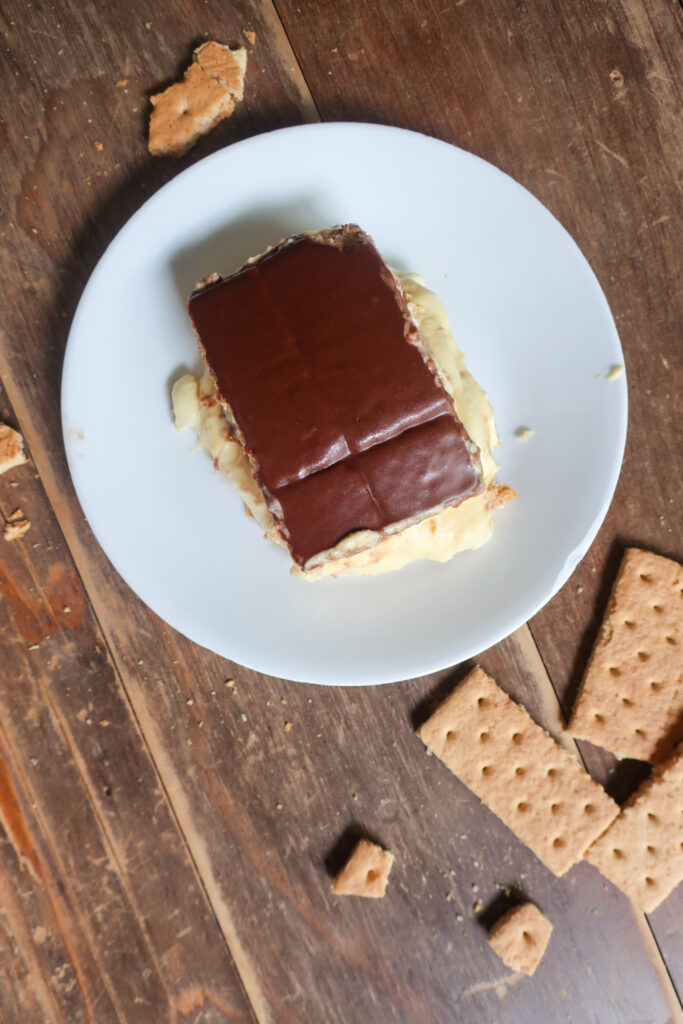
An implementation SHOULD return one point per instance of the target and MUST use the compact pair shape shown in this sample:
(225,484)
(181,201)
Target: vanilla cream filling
(365,552)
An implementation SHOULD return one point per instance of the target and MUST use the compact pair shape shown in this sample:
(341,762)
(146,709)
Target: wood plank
(67,199)
(226,759)
(104,917)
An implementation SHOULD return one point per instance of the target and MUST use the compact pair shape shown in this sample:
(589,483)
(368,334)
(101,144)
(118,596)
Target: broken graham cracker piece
(365,873)
(15,529)
(520,937)
(210,88)
(631,697)
(642,851)
(11,448)
(518,770)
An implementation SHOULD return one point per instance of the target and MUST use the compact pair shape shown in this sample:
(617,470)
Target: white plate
(531,319)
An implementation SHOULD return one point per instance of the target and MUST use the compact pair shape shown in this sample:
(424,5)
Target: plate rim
(525,609)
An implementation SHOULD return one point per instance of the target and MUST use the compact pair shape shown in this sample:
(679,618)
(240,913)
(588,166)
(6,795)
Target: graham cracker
(642,851)
(227,66)
(631,697)
(210,88)
(16,528)
(11,448)
(520,937)
(365,873)
(534,785)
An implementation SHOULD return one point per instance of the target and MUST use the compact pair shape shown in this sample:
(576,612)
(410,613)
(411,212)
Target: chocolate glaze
(314,350)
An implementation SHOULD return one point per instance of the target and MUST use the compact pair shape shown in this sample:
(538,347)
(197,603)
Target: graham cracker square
(520,937)
(534,785)
(631,697)
(365,873)
(642,851)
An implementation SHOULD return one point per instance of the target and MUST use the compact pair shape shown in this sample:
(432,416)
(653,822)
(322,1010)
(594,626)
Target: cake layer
(347,423)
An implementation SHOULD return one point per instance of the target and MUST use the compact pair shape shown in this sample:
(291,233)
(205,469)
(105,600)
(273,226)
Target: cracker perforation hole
(655,685)
(628,624)
(558,842)
(650,849)
(670,639)
(486,769)
(481,702)
(554,808)
(522,806)
(517,737)
(657,608)
(614,671)
(643,656)
(640,732)
(450,736)
(372,876)
(519,770)
(483,736)
(619,854)
(588,809)
(598,717)
(649,881)
(626,702)
(651,816)
(551,772)
(645,576)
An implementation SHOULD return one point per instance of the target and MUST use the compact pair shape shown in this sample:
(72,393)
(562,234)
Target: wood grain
(252,817)
(83,816)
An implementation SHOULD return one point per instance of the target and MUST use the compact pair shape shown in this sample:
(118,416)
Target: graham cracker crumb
(523,433)
(16,529)
(249,36)
(11,448)
(365,873)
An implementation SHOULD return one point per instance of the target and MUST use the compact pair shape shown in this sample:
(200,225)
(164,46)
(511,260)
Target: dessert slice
(332,395)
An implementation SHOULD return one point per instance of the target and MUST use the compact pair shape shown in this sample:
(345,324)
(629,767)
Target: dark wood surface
(165,843)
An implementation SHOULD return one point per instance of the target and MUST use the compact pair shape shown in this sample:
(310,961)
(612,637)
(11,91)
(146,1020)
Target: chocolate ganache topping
(336,402)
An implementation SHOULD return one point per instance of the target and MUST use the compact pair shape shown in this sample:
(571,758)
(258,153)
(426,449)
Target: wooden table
(166,842)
